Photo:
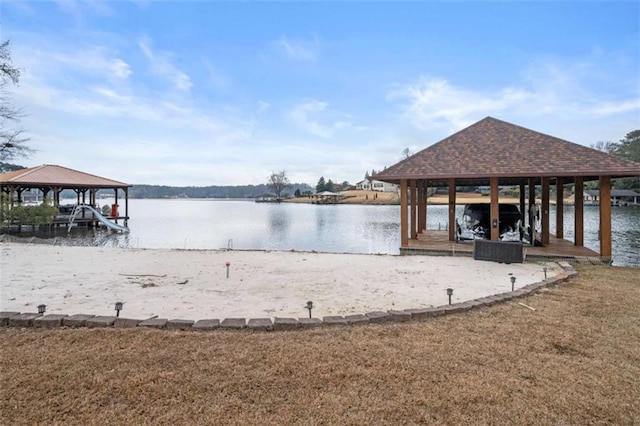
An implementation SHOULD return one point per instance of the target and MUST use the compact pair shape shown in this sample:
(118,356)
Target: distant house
(364,185)
(618,197)
(625,197)
(376,185)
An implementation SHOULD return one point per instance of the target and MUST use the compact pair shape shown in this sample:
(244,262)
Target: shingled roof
(495,148)
(51,175)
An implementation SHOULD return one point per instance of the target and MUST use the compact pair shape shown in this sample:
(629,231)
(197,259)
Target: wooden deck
(437,243)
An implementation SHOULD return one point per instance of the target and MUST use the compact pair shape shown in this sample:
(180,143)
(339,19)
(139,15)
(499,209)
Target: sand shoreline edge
(25,320)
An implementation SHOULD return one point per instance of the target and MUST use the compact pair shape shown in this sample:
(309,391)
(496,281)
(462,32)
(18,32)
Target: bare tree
(278,182)
(12,140)
(608,147)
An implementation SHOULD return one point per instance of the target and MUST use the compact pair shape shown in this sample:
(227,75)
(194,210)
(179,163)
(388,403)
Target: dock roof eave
(57,176)
(472,179)
(494,148)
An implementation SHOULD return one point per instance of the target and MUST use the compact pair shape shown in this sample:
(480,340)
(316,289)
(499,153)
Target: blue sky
(223,93)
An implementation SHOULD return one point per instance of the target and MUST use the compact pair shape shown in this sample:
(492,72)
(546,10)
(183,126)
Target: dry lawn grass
(575,360)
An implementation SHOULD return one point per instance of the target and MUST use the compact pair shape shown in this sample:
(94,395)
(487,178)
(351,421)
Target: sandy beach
(193,284)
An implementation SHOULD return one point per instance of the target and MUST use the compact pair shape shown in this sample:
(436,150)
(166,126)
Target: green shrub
(42,214)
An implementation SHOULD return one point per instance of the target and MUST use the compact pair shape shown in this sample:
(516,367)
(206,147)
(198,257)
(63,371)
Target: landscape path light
(545,272)
(513,283)
(449,293)
(118,308)
(42,308)
(309,307)
(227,265)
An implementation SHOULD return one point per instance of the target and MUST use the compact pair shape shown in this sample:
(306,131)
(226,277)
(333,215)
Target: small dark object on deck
(497,251)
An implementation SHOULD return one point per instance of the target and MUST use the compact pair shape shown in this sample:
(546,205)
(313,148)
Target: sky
(198,93)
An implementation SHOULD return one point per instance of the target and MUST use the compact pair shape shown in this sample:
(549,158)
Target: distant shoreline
(392,198)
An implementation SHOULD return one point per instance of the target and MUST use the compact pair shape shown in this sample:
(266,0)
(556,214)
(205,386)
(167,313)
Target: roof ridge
(84,173)
(493,147)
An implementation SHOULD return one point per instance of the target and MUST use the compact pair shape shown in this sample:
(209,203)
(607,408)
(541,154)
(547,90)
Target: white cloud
(216,79)
(434,102)
(315,117)
(162,65)
(263,107)
(297,49)
(120,68)
(98,61)
(77,8)
(302,117)
(550,90)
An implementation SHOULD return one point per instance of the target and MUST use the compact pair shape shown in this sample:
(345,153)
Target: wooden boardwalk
(434,242)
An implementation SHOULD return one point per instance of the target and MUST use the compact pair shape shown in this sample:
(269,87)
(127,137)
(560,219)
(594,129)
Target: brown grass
(575,360)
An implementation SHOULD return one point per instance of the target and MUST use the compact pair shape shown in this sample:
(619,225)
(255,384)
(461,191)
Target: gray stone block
(378,316)
(285,324)
(180,324)
(502,296)
(437,311)
(77,320)
(233,323)
(399,315)
(309,322)
(452,309)
(126,322)
(496,298)
(418,313)
(23,320)
(485,301)
(5,315)
(334,320)
(49,321)
(154,323)
(207,324)
(519,293)
(357,319)
(263,324)
(466,306)
(565,265)
(100,321)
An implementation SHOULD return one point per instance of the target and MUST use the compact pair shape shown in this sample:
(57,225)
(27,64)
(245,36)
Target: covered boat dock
(51,180)
(495,153)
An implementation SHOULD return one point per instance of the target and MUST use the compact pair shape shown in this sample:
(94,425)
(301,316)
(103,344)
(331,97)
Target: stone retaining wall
(17,319)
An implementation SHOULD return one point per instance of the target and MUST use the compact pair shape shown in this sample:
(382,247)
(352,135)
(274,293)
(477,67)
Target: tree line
(629,148)
(331,186)
(214,191)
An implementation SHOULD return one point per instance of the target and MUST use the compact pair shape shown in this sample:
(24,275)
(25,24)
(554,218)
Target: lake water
(342,228)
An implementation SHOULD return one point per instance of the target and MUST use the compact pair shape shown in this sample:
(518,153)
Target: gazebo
(495,153)
(55,179)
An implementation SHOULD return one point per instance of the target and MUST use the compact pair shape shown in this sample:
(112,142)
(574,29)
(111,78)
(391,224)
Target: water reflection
(212,224)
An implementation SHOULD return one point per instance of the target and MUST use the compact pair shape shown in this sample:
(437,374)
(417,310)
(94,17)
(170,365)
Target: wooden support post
(414,205)
(56,196)
(523,206)
(452,209)
(495,210)
(544,219)
(404,226)
(560,208)
(605,217)
(578,213)
(421,207)
(126,206)
(532,211)
(426,205)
